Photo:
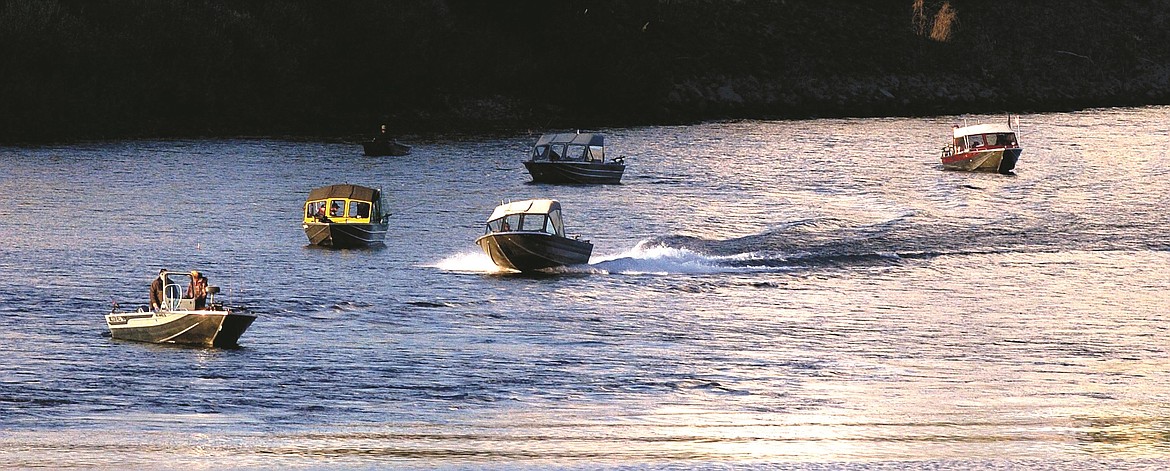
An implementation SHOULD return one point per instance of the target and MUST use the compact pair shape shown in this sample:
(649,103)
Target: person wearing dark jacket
(156,290)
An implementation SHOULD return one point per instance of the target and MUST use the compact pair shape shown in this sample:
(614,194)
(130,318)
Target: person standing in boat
(321,213)
(156,290)
(382,136)
(197,290)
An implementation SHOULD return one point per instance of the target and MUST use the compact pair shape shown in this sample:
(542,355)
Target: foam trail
(647,257)
(659,259)
(467,262)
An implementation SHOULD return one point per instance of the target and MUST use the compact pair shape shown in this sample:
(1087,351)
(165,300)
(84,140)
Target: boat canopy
(344,204)
(587,147)
(585,139)
(527,216)
(354,192)
(983,129)
(525,207)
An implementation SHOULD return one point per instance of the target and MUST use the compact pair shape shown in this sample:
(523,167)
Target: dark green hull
(528,251)
(345,236)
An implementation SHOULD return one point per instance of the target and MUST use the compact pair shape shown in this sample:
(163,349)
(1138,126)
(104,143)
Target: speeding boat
(345,216)
(983,147)
(573,158)
(530,235)
(179,321)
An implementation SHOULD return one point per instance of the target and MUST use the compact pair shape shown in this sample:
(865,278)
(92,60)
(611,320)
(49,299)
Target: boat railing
(173,297)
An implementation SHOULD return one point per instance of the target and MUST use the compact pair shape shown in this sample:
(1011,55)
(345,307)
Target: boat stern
(1008,162)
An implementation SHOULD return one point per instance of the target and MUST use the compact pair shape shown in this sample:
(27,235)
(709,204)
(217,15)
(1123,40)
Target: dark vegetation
(124,68)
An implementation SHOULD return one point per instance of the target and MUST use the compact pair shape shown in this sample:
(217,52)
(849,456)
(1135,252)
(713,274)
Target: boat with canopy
(573,158)
(530,235)
(345,216)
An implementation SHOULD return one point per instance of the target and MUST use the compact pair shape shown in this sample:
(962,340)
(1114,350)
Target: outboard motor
(211,292)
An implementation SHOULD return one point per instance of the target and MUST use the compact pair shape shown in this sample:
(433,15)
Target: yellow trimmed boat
(345,216)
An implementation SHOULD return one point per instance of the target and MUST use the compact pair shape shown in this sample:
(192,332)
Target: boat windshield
(1006,139)
(527,223)
(359,209)
(1003,139)
(570,152)
(314,208)
(584,153)
(174,297)
(172,294)
(577,152)
(341,211)
(597,153)
(555,223)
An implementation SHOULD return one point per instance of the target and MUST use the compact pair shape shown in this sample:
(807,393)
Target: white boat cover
(526,206)
(588,139)
(983,129)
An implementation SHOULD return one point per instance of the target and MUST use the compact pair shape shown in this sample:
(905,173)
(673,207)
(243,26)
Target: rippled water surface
(797,294)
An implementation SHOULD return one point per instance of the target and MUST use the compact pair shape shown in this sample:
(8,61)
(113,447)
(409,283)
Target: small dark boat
(530,235)
(383,144)
(345,216)
(178,321)
(379,147)
(573,158)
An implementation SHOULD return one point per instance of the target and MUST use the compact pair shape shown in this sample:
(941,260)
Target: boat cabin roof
(355,192)
(983,129)
(525,207)
(588,139)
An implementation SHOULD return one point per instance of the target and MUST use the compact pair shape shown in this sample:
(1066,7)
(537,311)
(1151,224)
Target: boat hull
(204,328)
(575,172)
(991,160)
(345,236)
(380,148)
(530,251)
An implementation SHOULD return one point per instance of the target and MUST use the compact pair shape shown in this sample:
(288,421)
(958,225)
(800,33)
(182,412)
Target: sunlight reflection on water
(761,294)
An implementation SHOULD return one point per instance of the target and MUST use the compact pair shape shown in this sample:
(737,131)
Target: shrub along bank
(127,68)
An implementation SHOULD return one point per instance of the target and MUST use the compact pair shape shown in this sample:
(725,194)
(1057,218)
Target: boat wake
(470,261)
(685,255)
(798,245)
(652,257)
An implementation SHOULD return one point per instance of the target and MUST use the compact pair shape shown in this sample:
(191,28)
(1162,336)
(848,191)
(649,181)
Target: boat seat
(186,304)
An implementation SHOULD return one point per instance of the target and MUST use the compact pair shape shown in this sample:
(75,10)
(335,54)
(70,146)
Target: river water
(801,295)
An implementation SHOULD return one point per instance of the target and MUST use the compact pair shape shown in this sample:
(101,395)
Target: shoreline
(173,68)
(502,127)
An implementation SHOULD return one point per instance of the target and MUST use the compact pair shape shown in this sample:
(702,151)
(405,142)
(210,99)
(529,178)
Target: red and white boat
(983,147)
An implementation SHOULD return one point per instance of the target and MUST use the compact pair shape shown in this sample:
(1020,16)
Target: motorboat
(178,321)
(530,235)
(983,147)
(345,216)
(381,147)
(573,158)
(383,144)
